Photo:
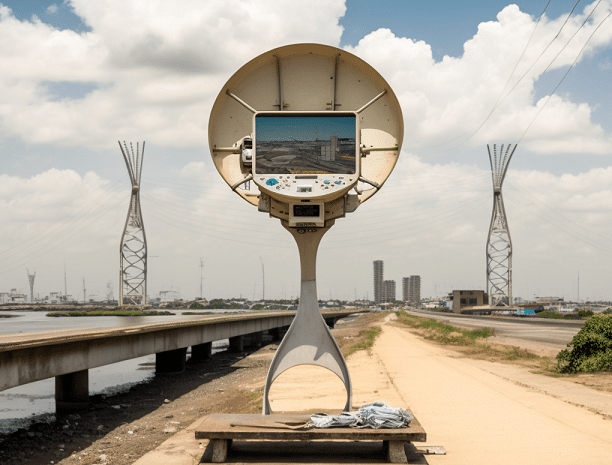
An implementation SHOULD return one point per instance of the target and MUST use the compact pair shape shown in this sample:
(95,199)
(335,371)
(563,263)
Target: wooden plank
(282,427)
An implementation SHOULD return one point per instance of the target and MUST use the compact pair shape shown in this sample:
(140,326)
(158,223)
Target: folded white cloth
(375,415)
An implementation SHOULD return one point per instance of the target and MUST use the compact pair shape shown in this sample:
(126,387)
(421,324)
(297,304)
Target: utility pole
(263,279)
(201,278)
(84,291)
(65,284)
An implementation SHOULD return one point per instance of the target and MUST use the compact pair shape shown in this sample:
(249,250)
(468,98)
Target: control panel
(305,186)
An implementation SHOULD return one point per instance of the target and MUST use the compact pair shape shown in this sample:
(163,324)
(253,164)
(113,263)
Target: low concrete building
(464,300)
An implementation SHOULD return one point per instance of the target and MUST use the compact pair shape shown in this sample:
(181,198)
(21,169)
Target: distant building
(14,297)
(411,289)
(389,290)
(462,300)
(328,152)
(378,281)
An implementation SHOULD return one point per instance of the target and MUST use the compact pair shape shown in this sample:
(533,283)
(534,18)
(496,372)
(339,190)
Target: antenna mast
(499,245)
(133,249)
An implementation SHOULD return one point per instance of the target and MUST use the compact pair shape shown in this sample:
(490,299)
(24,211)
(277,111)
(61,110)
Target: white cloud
(153,70)
(448,100)
(158,66)
(52,9)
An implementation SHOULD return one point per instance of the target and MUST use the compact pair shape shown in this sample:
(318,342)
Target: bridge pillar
(257,339)
(72,391)
(236,344)
(170,361)
(278,333)
(201,352)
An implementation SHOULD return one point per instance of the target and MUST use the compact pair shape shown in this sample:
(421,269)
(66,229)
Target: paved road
(542,330)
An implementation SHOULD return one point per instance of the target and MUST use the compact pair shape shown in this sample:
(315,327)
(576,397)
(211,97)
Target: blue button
(272,182)
(326,182)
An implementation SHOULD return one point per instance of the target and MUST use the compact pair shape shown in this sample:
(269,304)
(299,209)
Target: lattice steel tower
(133,251)
(499,245)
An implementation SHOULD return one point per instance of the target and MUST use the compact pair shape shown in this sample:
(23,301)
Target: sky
(77,76)
(285,128)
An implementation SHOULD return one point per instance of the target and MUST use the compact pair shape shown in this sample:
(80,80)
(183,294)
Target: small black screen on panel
(303,210)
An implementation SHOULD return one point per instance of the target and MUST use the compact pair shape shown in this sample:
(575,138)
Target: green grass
(442,332)
(366,340)
(118,312)
(473,342)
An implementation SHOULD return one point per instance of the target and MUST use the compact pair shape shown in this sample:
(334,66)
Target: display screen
(300,143)
(303,210)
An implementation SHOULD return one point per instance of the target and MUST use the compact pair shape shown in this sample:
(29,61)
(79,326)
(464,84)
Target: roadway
(549,333)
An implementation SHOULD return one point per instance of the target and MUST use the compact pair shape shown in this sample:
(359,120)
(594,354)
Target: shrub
(550,314)
(585,313)
(590,349)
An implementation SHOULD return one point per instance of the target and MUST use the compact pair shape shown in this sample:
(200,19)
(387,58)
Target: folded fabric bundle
(375,415)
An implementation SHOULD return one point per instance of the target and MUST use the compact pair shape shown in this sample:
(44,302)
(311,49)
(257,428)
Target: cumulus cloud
(151,71)
(156,66)
(155,69)
(450,99)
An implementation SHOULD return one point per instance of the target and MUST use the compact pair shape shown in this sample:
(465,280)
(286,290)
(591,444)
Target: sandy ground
(482,412)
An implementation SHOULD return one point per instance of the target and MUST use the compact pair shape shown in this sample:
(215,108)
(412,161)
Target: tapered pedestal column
(308,340)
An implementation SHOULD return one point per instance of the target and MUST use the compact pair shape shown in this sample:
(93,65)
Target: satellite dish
(316,131)
(301,82)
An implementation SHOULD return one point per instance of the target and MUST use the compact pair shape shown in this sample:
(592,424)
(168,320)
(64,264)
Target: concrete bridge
(67,355)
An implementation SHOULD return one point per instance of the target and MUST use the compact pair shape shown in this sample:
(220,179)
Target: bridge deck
(29,357)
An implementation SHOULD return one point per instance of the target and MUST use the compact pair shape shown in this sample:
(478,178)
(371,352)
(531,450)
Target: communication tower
(133,250)
(499,245)
(31,280)
(318,131)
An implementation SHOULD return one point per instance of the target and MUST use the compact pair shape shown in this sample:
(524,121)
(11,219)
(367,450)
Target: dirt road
(481,412)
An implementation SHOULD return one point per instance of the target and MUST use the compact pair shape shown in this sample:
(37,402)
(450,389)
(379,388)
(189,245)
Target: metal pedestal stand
(308,340)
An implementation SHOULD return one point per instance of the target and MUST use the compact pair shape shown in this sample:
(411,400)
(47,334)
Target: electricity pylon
(133,251)
(499,245)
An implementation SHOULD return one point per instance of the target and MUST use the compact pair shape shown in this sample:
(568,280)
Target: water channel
(23,405)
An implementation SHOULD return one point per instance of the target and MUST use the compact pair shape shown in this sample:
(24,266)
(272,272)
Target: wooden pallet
(222,429)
